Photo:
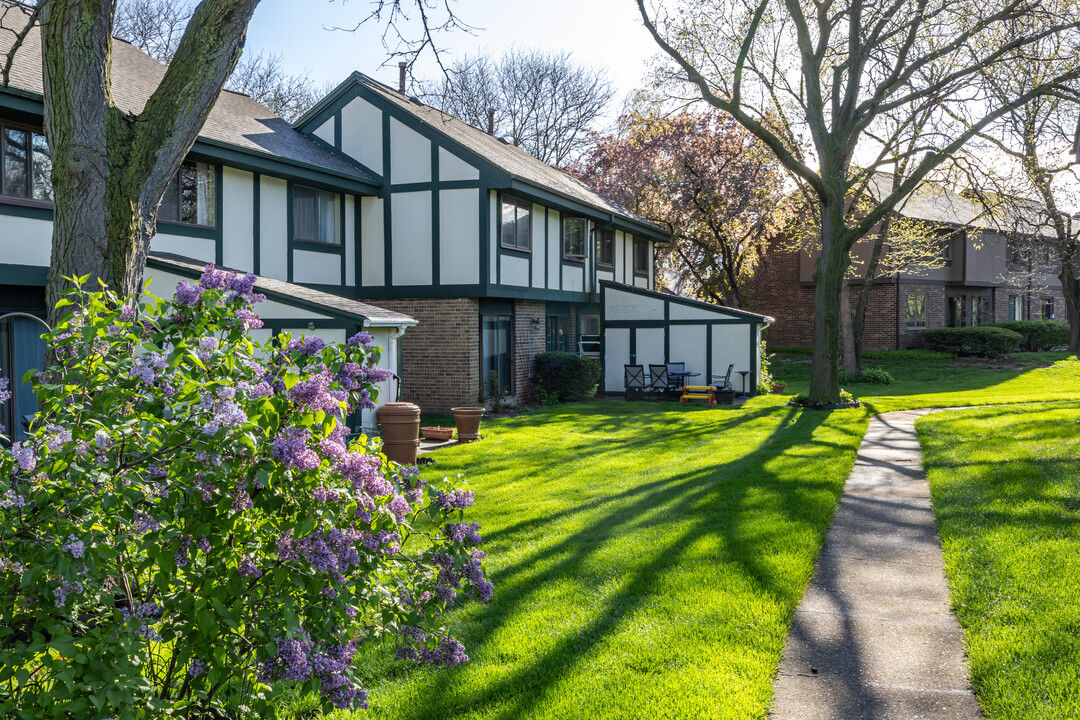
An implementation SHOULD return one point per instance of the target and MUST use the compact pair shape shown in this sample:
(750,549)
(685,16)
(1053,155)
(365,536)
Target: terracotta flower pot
(778,389)
(437,433)
(467,420)
(400,425)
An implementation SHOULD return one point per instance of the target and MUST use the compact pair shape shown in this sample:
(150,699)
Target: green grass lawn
(647,560)
(648,557)
(1023,377)
(1006,491)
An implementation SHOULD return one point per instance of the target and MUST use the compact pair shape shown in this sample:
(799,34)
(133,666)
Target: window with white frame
(516,229)
(316,216)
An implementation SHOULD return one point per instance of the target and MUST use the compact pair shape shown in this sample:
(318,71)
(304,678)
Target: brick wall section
(529,340)
(440,363)
(775,291)
(912,339)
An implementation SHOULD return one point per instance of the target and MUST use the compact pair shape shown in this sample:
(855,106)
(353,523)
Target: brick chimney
(402,67)
(491,121)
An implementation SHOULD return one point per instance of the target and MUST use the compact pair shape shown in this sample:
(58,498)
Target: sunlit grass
(1006,491)
(647,561)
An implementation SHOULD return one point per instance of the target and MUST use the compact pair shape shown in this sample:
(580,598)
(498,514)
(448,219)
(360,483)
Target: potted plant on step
(467,420)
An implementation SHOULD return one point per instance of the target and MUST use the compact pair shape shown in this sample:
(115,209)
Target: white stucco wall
(459,230)
(539,254)
(350,240)
(201,249)
(25,241)
(616,354)
(362,133)
(554,251)
(410,154)
(273,228)
(237,218)
(317,268)
(514,271)
(372,243)
(451,167)
(325,132)
(411,238)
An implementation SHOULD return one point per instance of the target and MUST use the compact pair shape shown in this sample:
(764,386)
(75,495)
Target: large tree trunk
(110,169)
(828,279)
(1070,288)
(847,329)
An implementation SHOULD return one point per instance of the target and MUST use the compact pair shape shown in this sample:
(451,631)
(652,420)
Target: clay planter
(400,425)
(437,433)
(467,420)
(778,389)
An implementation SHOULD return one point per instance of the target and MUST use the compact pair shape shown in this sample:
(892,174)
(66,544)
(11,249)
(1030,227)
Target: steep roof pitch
(512,160)
(236,120)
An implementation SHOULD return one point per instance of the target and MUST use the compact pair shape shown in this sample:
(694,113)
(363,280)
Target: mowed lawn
(1006,490)
(647,559)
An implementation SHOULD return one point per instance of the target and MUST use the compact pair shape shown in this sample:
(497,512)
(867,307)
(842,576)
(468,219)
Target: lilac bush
(189,521)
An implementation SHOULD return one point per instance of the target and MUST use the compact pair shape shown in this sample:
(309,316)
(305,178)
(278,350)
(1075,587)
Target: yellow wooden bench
(698,392)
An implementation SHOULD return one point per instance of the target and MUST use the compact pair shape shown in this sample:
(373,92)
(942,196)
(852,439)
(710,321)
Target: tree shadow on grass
(720,501)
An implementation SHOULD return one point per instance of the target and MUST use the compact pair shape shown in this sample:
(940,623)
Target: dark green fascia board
(22,102)
(678,300)
(30,275)
(321,111)
(291,300)
(564,204)
(268,164)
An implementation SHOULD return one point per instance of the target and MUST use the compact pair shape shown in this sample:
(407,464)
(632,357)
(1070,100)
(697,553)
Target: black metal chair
(659,381)
(676,382)
(725,380)
(634,381)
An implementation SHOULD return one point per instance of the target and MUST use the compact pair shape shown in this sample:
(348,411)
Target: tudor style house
(980,278)
(377,211)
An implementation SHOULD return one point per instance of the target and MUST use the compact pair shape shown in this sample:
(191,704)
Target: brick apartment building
(979,282)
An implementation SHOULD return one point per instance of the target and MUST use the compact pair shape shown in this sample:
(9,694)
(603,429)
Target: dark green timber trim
(388,218)
(344,239)
(753,366)
(436,209)
(31,275)
(289,232)
(337,130)
(444,184)
(16,209)
(256,227)
(219,215)
(485,238)
(708,355)
(664,323)
(358,243)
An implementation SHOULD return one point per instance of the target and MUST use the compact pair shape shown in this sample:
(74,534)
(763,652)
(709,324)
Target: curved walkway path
(874,637)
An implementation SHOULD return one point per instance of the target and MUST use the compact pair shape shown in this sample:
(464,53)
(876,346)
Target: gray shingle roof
(513,160)
(236,120)
(288,293)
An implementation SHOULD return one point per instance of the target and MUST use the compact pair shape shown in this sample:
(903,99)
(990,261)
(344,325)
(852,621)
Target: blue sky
(600,33)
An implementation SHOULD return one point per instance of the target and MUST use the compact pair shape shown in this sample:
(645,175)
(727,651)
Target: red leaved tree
(708,181)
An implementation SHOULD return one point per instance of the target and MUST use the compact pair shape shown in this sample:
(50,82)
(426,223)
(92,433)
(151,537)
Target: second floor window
(316,216)
(191,196)
(605,251)
(516,231)
(26,164)
(573,239)
(641,256)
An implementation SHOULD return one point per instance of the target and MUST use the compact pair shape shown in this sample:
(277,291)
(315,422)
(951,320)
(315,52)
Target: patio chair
(634,380)
(659,381)
(676,367)
(725,380)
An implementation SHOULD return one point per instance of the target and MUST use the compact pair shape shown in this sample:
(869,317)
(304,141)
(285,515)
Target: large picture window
(916,311)
(496,346)
(316,216)
(191,196)
(25,164)
(516,231)
(605,250)
(573,238)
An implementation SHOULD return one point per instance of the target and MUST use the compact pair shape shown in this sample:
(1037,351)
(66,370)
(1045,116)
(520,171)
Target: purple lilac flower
(142,524)
(196,668)
(5,389)
(290,448)
(11,499)
(203,544)
(362,338)
(61,591)
(309,346)
(447,652)
(455,500)
(362,470)
(242,501)
(102,440)
(399,506)
(463,532)
(207,346)
(148,367)
(74,546)
(314,394)
(181,557)
(188,294)
(127,313)
(248,320)
(213,279)
(25,457)
(247,567)
(226,411)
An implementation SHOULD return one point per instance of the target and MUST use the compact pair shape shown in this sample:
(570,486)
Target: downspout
(394,336)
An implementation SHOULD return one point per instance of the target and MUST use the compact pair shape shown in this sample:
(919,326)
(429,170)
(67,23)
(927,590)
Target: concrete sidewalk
(874,638)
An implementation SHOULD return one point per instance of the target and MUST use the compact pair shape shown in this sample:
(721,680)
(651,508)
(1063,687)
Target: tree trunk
(847,328)
(828,279)
(1070,288)
(110,169)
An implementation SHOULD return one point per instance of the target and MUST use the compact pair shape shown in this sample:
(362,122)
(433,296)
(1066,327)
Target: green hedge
(1044,334)
(567,375)
(983,340)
